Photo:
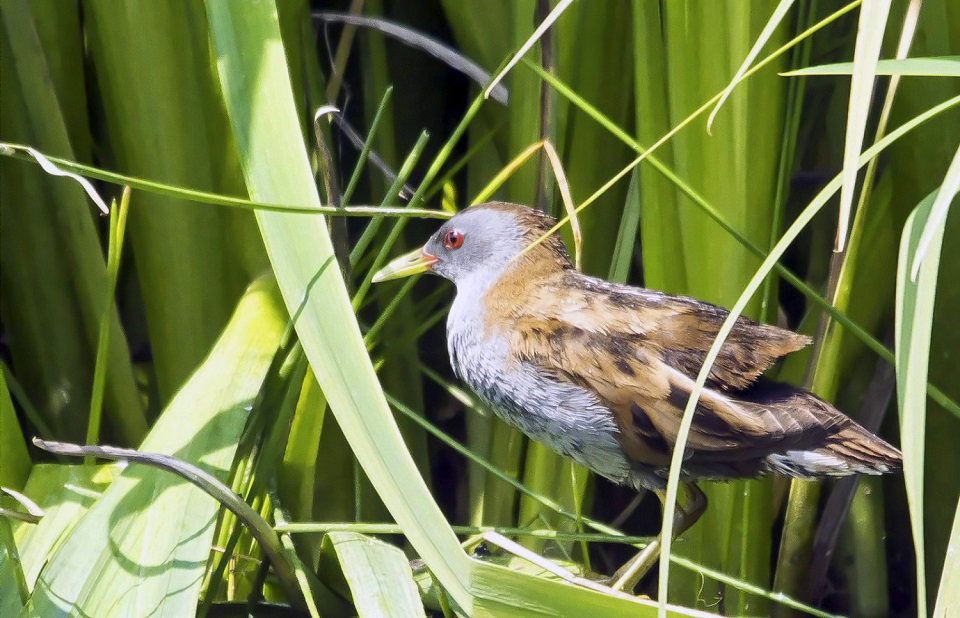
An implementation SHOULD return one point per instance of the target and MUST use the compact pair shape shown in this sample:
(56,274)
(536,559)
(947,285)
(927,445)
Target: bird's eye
(452,239)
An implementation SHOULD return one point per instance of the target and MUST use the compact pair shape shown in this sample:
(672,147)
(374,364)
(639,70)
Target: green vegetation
(326,459)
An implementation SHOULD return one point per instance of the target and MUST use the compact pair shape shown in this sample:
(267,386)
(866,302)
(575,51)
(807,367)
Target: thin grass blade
(943,66)
(873,21)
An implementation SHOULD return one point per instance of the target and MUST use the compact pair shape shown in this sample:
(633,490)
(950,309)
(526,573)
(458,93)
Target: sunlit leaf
(247,43)
(500,592)
(378,574)
(142,547)
(948,597)
(915,300)
(64,493)
(944,66)
(873,20)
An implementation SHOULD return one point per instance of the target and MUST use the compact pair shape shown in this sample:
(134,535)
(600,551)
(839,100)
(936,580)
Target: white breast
(565,417)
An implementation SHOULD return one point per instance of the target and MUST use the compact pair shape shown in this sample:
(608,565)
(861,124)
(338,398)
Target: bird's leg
(627,576)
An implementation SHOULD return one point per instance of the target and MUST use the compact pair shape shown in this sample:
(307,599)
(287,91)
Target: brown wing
(681,329)
(647,396)
(688,328)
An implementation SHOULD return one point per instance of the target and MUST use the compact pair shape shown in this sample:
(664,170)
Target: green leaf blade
(259,100)
(378,574)
(142,548)
(942,66)
(914,321)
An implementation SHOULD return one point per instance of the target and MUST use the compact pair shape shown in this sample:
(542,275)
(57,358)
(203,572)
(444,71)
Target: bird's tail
(843,447)
(864,452)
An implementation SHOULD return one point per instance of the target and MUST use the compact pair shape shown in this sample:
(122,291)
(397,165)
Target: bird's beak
(413,263)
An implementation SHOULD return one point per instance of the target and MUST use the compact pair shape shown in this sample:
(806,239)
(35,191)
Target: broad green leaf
(916,167)
(948,597)
(13,586)
(778,14)
(47,41)
(64,493)
(938,213)
(500,592)
(14,459)
(660,234)
(296,479)
(914,320)
(157,86)
(51,253)
(378,574)
(944,66)
(142,548)
(258,98)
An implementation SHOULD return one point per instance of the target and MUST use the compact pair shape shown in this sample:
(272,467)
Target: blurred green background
(149,89)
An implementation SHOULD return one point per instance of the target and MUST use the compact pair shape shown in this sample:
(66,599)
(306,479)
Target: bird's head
(482,242)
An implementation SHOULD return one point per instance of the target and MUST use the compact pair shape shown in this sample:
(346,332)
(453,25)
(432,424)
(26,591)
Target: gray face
(487,240)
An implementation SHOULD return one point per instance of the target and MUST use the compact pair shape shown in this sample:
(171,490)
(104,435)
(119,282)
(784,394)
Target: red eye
(452,239)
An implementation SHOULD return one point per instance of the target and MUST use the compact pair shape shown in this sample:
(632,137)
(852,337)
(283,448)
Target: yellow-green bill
(413,263)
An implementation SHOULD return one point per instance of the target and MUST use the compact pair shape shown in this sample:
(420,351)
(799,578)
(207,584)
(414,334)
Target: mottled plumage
(602,372)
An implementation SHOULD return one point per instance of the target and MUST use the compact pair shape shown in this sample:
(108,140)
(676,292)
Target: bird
(601,372)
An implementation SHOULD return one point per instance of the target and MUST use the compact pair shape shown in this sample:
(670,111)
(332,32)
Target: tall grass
(248,340)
